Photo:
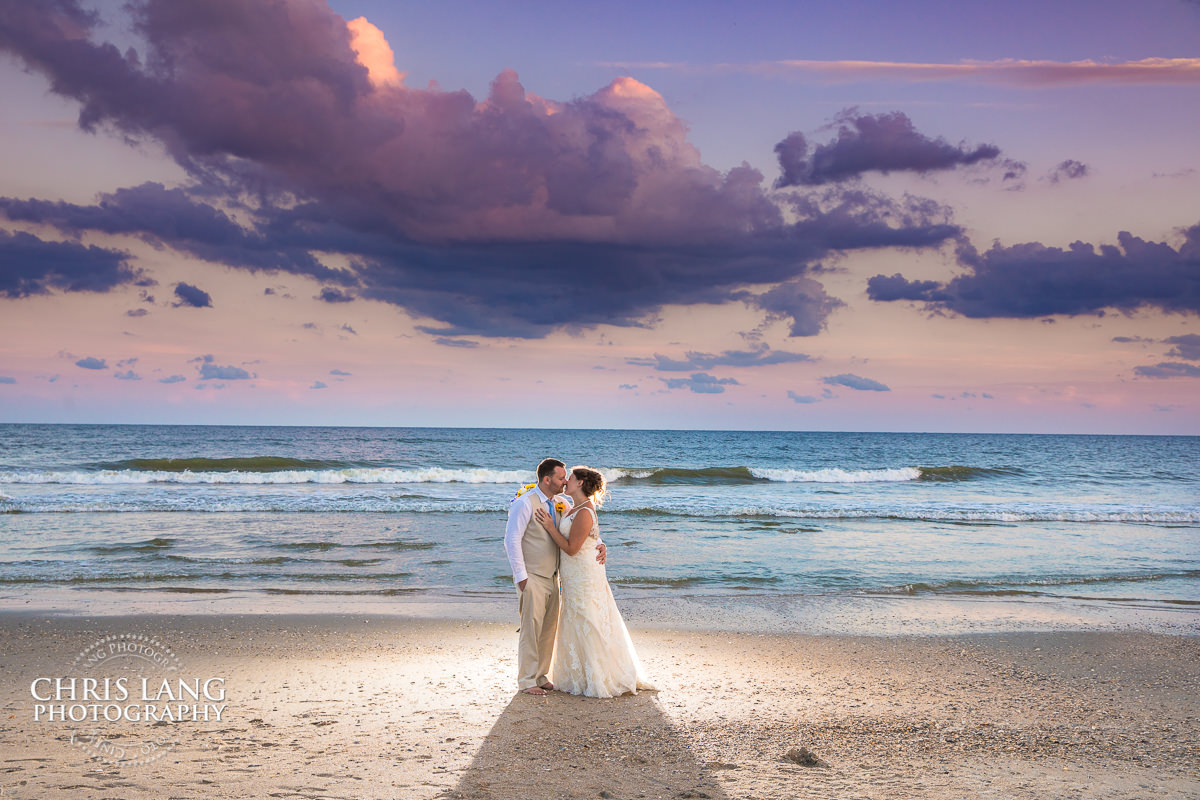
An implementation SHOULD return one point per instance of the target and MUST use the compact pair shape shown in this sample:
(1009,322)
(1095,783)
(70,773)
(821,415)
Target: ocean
(419,513)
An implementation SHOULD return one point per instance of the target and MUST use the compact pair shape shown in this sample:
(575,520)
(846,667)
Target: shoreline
(879,615)
(366,706)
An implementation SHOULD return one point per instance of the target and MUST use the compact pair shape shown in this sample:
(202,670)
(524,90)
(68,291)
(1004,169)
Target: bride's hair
(591,482)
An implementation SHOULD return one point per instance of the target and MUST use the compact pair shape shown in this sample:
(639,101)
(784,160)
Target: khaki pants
(538,605)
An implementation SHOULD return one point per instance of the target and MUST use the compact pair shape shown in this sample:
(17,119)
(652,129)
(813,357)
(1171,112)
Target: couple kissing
(573,640)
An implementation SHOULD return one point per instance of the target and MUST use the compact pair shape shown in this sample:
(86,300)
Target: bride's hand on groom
(543,517)
(601,552)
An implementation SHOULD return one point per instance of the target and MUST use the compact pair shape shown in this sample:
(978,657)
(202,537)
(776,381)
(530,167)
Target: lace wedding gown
(593,655)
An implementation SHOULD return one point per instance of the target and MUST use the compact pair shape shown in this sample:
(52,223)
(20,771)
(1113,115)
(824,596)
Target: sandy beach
(346,706)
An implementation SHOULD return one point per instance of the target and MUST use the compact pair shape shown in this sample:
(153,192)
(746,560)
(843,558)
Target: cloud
(871,143)
(30,266)
(331,295)
(136,312)
(802,398)
(851,381)
(1186,346)
(346,327)
(762,355)
(802,300)
(446,341)
(91,362)
(1019,73)
(622,386)
(172,379)
(1068,170)
(700,383)
(172,217)
(318,385)
(210,371)
(128,375)
(1033,280)
(192,296)
(339,372)
(300,139)
(1169,369)
(7,379)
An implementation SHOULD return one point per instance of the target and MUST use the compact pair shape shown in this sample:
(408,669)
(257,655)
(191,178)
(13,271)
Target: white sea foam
(835,475)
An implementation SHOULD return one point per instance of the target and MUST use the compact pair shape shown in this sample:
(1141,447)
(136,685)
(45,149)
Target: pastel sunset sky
(851,215)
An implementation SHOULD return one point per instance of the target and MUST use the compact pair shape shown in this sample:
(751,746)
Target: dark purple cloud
(340,372)
(1186,346)
(693,361)
(1068,170)
(802,398)
(871,143)
(30,266)
(91,362)
(851,381)
(1033,280)
(172,379)
(192,296)
(7,379)
(331,295)
(127,375)
(701,383)
(446,341)
(171,217)
(1169,369)
(448,206)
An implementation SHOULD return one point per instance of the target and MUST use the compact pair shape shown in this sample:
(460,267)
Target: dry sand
(342,706)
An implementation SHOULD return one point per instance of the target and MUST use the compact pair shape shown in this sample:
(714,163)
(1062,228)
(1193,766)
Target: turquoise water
(420,512)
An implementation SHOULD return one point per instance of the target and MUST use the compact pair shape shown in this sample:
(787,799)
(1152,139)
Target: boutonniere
(560,507)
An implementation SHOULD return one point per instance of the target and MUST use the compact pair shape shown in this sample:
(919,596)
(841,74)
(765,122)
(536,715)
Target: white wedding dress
(593,655)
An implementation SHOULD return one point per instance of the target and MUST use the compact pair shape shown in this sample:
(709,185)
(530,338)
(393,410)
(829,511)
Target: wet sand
(358,706)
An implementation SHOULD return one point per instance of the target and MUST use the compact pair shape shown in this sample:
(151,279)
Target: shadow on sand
(562,746)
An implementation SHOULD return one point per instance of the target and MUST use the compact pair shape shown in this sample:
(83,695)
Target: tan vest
(538,549)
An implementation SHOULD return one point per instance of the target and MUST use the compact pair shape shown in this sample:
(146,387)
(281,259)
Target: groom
(534,559)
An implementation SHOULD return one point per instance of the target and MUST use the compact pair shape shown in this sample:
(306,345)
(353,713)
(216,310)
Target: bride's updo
(591,482)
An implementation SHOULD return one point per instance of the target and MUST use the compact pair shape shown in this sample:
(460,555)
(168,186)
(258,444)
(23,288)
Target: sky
(864,216)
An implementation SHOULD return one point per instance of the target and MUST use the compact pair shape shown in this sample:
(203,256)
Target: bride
(593,655)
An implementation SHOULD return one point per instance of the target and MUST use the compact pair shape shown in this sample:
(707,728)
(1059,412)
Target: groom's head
(552,476)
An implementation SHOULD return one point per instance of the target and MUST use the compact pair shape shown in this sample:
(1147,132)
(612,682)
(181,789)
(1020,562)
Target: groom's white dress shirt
(519,516)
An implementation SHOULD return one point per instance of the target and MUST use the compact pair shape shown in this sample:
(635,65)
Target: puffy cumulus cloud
(91,362)
(802,398)
(319,385)
(1033,280)
(298,123)
(29,266)
(761,355)
(340,372)
(172,379)
(1068,170)
(192,296)
(1186,346)
(7,379)
(127,375)
(701,383)
(871,143)
(373,52)
(851,381)
(1169,369)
